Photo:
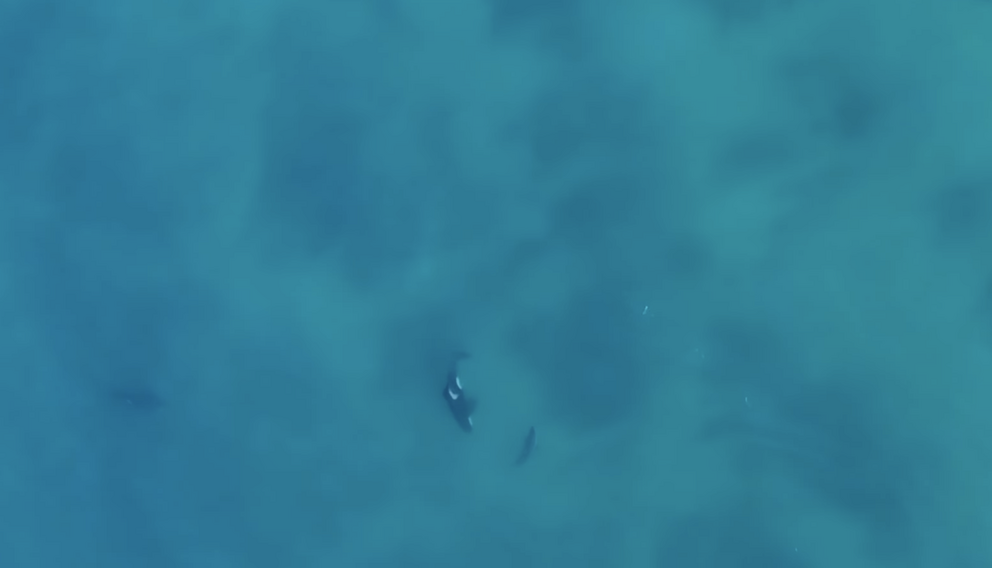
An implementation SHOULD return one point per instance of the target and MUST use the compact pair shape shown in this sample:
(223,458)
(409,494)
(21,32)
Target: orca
(460,404)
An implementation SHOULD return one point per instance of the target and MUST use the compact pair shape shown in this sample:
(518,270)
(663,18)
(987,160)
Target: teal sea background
(732,259)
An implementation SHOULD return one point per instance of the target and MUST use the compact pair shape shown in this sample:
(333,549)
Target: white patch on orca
(470,421)
(453,395)
(458,382)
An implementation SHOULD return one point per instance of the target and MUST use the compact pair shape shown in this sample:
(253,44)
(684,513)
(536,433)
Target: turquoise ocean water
(731,259)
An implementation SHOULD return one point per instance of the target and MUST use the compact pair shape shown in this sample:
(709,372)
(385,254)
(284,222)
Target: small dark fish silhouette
(138,397)
(529,442)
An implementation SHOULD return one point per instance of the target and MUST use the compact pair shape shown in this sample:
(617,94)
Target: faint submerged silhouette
(830,438)
(529,442)
(137,396)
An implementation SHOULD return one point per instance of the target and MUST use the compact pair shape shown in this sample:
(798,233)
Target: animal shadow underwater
(140,398)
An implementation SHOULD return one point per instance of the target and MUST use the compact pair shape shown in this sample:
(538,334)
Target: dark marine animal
(460,404)
(138,397)
(528,448)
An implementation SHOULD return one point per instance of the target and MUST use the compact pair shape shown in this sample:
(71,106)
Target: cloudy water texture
(730,259)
